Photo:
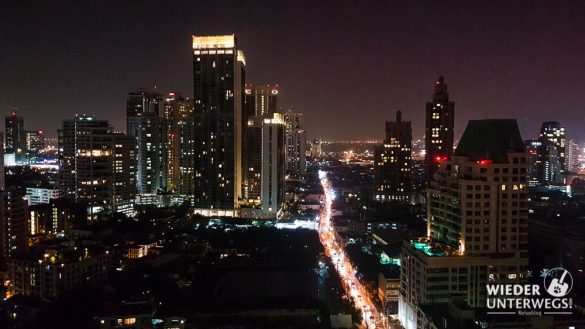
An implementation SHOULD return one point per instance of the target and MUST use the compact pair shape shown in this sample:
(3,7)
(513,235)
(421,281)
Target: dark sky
(348,65)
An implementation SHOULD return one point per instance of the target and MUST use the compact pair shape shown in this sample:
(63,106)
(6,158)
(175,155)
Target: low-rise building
(50,272)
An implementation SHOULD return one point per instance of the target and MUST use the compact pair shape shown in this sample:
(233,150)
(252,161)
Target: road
(353,287)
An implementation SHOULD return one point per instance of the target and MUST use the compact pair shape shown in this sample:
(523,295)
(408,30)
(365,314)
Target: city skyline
(494,69)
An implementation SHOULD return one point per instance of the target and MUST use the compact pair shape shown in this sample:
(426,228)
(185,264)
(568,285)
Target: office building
(296,144)
(218,81)
(554,133)
(477,224)
(393,162)
(264,165)
(124,173)
(85,163)
(439,128)
(178,143)
(15,137)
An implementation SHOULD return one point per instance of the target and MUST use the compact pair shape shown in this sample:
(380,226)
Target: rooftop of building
(490,139)
(61,253)
(433,248)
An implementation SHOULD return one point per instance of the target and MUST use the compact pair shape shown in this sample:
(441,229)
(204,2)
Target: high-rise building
(544,166)
(124,173)
(143,110)
(574,152)
(264,165)
(150,174)
(439,128)
(218,81)
(553,132)
(85,162)
(393,162)
(35,141)
(259,100)
(15,136)
(143,100)
(296,144)
(14,220)
(477,224)
(178,143)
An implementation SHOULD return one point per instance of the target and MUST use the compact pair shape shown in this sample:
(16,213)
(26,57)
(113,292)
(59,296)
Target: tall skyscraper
(296,144)
(178,143)
(143,109)
(393,162)
(218,81)
(439,128)
(477,224)
(264,165)
(554,133)
(15,136)
(150,176)
(85,163)
(124,173)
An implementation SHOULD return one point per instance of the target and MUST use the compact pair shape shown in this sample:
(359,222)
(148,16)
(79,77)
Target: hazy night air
(349,64)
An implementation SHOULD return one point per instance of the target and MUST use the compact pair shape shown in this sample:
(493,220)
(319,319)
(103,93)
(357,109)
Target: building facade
(296,144)
(477,223)
(85,163)
(264,165)
(178,143)
(439,128)
(218,81)
(15,136)
(14,223)
(124,173)
(553,132)
(393,162)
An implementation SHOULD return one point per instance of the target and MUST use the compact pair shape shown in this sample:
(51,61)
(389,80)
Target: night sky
(348,66)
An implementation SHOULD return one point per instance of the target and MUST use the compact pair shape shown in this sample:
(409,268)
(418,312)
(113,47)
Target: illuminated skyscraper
(544,166)
(393,162)
(178,143)
(554,133)
(15,136)
(296,144)
(124,173)
(218,81)
(573,154)
(85,162)
(143,109)
(264,165)
(439,128)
